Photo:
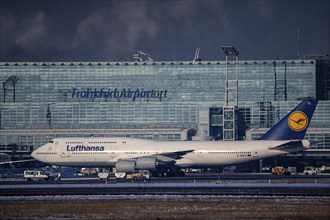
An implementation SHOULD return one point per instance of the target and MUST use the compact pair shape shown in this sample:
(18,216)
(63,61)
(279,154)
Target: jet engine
(141,163)
(146,163)
(126,165)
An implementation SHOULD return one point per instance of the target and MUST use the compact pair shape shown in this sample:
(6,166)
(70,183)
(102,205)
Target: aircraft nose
(33,154)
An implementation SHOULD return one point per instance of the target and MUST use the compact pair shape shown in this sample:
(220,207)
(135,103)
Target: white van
(310,170)
(36,175)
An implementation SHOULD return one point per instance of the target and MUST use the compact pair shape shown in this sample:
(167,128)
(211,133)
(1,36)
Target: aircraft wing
(170,156)
(15,161)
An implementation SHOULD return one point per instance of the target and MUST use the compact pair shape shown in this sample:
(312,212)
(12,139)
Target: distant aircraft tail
(294,125)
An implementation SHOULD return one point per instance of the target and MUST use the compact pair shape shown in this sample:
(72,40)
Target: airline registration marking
(298,121)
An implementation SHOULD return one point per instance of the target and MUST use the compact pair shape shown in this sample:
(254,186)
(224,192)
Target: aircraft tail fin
(294,125)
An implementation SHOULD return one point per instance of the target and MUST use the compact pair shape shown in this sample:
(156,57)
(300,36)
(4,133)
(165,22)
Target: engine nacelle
(126,166)
(146,163)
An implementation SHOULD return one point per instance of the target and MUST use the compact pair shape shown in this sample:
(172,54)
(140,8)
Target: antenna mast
(197,58)
(298,52)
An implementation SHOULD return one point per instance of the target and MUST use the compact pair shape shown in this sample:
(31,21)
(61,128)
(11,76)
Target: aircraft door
(255,153)
(62,154)
(66,154)
(62,151)
(112,157)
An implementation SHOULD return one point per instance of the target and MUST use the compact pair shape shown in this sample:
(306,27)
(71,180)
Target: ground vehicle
(229,169)
(103,175)
(141,175)
(266,169)
(88,171)
(280,171)
(310,170)
(292,170)
(40,175)
(324,169)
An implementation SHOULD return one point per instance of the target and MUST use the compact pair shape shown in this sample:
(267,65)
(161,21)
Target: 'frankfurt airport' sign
(119,93)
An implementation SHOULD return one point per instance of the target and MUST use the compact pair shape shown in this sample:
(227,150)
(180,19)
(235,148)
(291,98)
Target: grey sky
(101,30)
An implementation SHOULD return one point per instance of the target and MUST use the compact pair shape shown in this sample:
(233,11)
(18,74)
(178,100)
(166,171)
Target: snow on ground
(153,197)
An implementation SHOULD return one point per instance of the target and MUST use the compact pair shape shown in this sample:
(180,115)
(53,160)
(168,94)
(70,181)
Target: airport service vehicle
(108,177)
(139,175)
(169,157)
(266,169)
(310,170)
(86,171)
(40,175)
(292,170)
(280,171)
(324,169)
(103,175)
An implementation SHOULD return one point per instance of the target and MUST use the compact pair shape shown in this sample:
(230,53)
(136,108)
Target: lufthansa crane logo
(298,121)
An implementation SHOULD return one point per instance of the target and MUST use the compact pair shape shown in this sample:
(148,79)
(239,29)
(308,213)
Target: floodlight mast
(231,51)
(230,112)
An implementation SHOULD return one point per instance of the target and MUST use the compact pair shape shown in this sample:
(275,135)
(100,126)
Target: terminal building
(158,100)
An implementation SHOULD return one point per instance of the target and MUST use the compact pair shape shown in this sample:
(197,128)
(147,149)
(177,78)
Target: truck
(133,176)
(31,175)
(280,171)
(140,175)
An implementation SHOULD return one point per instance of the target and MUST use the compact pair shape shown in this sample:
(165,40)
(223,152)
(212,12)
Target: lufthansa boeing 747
(130,154)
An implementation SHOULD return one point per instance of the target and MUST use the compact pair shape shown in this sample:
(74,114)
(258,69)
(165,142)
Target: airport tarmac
(192,184)
(193,177)
(195,196)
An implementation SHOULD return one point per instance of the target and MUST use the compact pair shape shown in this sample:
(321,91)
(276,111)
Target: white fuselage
(97,152)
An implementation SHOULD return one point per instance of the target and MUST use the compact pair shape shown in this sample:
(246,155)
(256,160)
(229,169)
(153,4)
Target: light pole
(229,112)
(231,51)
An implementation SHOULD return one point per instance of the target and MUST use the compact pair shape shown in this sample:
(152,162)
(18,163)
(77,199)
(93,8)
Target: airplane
(169,157)
(6,162)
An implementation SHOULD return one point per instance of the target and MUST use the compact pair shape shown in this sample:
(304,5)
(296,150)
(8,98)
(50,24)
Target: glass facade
(40,101)
(179,82)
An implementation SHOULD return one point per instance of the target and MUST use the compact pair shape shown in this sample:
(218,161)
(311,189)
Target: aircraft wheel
(181,173)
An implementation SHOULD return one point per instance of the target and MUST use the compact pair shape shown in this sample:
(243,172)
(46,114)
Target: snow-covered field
(91,198)
(164,207)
